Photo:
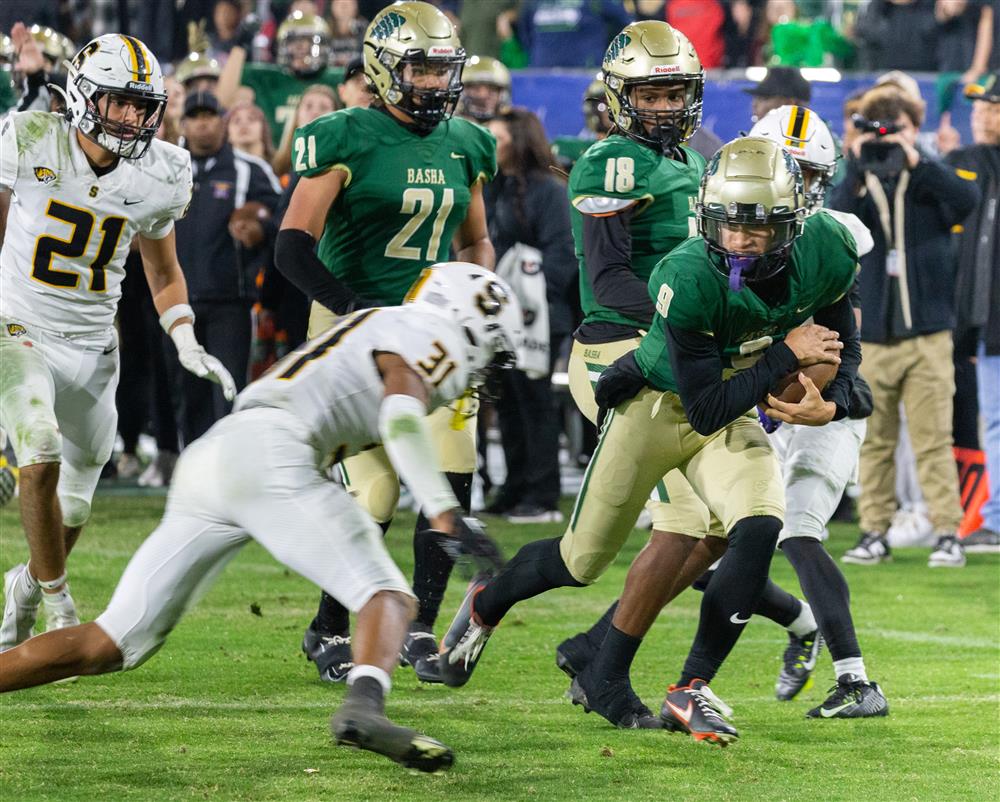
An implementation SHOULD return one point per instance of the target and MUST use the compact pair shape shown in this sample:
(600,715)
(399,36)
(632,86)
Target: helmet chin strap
(738,265)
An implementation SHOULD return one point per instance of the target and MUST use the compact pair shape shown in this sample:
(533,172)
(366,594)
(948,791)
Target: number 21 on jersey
(82,221)
(419,202)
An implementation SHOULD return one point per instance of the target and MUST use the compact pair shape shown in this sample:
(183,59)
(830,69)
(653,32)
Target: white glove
(202,364)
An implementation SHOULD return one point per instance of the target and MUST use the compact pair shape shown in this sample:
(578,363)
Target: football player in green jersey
(486,89)
(386,191)
(303,55)
(730,307)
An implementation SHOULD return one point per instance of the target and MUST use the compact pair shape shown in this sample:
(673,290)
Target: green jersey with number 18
(664,189)
(403,198)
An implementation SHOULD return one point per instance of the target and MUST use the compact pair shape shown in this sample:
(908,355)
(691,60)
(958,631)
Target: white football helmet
(803,133)
(116,65)
(482,303)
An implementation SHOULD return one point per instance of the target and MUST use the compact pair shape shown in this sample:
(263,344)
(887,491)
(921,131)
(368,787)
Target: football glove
(619,382)
(471,544)
(202,364)
(770,425)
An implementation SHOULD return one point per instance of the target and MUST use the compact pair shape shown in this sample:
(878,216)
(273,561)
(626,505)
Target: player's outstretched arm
(169,291)
(472,240)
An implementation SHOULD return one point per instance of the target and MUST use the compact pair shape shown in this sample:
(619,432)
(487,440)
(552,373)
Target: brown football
(790,389)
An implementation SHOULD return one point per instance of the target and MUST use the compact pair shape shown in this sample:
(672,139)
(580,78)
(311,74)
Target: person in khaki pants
(909,202)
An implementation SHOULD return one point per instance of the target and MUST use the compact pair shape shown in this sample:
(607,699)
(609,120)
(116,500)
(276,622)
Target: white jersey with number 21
(69,229)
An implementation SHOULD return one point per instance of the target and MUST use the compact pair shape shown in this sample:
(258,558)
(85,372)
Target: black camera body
(882,159)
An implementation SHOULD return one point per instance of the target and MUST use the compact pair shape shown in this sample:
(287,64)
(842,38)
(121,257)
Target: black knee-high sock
(431,566)
(775,603)
(536,568)
(332,618)
(827,593)
(732,594)
(596,634)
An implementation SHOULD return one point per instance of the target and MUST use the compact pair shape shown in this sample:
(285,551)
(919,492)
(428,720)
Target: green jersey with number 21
(403,198)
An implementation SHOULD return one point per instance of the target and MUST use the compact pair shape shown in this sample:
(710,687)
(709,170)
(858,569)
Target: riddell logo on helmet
(440,50)
(665,69)
(139,86)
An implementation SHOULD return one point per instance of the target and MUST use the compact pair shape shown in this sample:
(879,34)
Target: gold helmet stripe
(139,68)
(798,124)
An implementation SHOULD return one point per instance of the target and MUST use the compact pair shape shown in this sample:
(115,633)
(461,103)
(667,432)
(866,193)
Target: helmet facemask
(749,244)
(427,106)
(129,141)
(663,130)
(311,49)
(816,179)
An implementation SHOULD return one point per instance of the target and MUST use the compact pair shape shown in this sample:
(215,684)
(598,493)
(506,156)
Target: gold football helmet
(489,82)
(750,209)
(652,52)
(595,108)
(312,56)
(197,65)
(56,47)
(407,43)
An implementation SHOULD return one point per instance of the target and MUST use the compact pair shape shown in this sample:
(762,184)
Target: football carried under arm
(169,291)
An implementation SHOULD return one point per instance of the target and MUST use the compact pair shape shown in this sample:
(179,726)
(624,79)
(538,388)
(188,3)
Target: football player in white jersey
(260,474)
(83,186)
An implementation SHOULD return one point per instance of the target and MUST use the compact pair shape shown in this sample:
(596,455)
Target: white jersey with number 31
(332,386)
(69,230)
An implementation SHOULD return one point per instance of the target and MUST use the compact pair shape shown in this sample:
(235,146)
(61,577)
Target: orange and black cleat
(694,709)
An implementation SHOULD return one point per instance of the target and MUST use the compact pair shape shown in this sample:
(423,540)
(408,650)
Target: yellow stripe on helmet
(798,124)
(134,56)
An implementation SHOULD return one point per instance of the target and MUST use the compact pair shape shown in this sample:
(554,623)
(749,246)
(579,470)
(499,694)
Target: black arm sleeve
(607,253)
(295,256)
(840,318)
(709,402)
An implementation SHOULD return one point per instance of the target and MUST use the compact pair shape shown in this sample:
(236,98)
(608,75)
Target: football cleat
(330,653)
(871,549)
(465,639)
(20,608)
(799,661)
(852,697)
(982,541)
(574,654)
(694,709)
(360,722)
(420,650)
(613,700)
(947,553)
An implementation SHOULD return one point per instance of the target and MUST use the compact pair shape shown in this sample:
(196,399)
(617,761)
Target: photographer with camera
(909,202)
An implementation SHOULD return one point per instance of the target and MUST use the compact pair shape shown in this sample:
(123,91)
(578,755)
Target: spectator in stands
(979,289)
(303,53)
(569,33)
(702,21)
(317,100)
(898,34)
(965,33)
(481,25)
(226,18)
(909,202)
(745,20)
(782,86)
(353,92)
(526,205)
(347,30)
(219,256)
(247,130)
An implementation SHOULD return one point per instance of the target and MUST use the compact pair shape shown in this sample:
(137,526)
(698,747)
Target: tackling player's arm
(607,254)
(169,291)
(295,246)
(472,239)
(408,443)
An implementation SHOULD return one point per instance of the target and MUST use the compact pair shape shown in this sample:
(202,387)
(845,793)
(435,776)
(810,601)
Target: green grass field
(230,709)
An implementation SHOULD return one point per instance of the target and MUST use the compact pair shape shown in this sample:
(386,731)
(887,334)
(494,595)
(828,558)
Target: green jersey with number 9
(691,293)
(404,195)
(618,168)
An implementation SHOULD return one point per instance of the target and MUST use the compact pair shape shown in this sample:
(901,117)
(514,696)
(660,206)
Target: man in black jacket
(978,290)
(909,202)
(219,253)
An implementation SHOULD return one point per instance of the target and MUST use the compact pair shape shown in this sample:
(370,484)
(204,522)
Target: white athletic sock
(26,588)
(804,622)
(374,672)
(851,665)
